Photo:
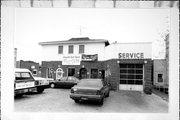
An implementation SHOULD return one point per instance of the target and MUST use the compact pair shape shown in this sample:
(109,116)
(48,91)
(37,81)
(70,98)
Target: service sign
(90,57)
(71,60)
(131,55)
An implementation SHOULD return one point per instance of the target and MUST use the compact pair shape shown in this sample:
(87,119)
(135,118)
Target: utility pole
(81,30)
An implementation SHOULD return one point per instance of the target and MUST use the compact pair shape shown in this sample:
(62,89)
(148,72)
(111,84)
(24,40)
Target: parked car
(41,84)
(69,81)
(90,89)
(24,82)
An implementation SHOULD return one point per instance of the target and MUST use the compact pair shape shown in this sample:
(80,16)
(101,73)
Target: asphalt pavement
(58,100)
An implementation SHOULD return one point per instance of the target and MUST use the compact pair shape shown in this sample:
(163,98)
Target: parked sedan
(90,89)
(69,81)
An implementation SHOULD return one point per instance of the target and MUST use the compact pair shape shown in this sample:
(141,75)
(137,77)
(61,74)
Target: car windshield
(71,78)
(23,76)
(91,82)
(63,79)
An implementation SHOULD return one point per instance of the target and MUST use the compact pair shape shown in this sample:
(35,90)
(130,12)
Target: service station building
(127,66)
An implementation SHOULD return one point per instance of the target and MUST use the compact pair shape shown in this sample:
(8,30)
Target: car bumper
(85,97)
(24,91)
(43,86)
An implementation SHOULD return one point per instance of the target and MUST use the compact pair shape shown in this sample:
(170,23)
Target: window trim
(72,49)
(161,77)
(71,68)
(81,49)
(59,49)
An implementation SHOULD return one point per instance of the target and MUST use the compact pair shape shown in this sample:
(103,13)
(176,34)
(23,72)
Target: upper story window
(81,48)
(60,49)
(71,49)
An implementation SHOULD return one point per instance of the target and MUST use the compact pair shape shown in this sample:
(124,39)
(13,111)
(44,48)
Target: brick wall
(54,65)
(28,64)
(112,64)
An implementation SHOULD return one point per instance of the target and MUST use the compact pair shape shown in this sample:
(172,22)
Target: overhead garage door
(131,77)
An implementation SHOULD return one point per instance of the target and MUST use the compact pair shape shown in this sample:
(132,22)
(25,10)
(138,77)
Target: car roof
(91,79)
(21,70)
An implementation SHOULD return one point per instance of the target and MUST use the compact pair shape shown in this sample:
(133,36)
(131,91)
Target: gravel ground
(57,100)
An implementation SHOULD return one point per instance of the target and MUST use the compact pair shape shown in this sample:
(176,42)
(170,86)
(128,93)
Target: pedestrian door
(131,77)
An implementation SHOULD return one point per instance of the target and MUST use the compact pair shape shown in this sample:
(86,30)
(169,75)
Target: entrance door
(131,77)
(94,73)
(83,73)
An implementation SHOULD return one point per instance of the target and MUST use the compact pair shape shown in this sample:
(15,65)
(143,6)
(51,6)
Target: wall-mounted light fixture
(145,61)
(118,62)
(82,66)
(32,67)
(77,72)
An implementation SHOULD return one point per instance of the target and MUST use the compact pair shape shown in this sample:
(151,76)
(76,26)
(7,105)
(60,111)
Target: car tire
(101,101)
(19,95)
(76,101)
(52,85)
(40,90)
(107,94)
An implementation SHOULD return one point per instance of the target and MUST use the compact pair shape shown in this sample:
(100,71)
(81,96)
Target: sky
(34,25)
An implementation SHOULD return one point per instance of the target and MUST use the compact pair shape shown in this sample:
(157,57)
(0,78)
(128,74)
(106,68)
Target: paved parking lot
(57,100)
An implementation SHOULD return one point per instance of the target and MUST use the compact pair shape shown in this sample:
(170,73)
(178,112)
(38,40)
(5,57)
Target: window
(160,77)
(60,49)
(23,76)
(34,72)
(71,71)
(81,48)
(71,49)
(49,72)
(94,73)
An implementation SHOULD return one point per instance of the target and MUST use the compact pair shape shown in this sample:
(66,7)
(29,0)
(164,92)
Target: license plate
(84,98)
(25,90)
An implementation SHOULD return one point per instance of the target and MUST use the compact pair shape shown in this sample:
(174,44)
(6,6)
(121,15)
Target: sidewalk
(164,96)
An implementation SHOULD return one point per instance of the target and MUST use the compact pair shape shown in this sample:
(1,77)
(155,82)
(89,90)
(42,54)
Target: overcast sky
(34,25)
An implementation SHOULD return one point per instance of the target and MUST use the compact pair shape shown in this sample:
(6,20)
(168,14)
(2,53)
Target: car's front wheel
(40,90)
(101,101)
(76,101)
(107,94)
(52,85)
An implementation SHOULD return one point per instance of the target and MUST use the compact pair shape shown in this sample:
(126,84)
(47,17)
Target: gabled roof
(81,40)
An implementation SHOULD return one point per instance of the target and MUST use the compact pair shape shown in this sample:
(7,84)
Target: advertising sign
(71,60)
(90,57)
(131,55)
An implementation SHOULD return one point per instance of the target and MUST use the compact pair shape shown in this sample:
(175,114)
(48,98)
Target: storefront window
(49,72)
(71,71)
